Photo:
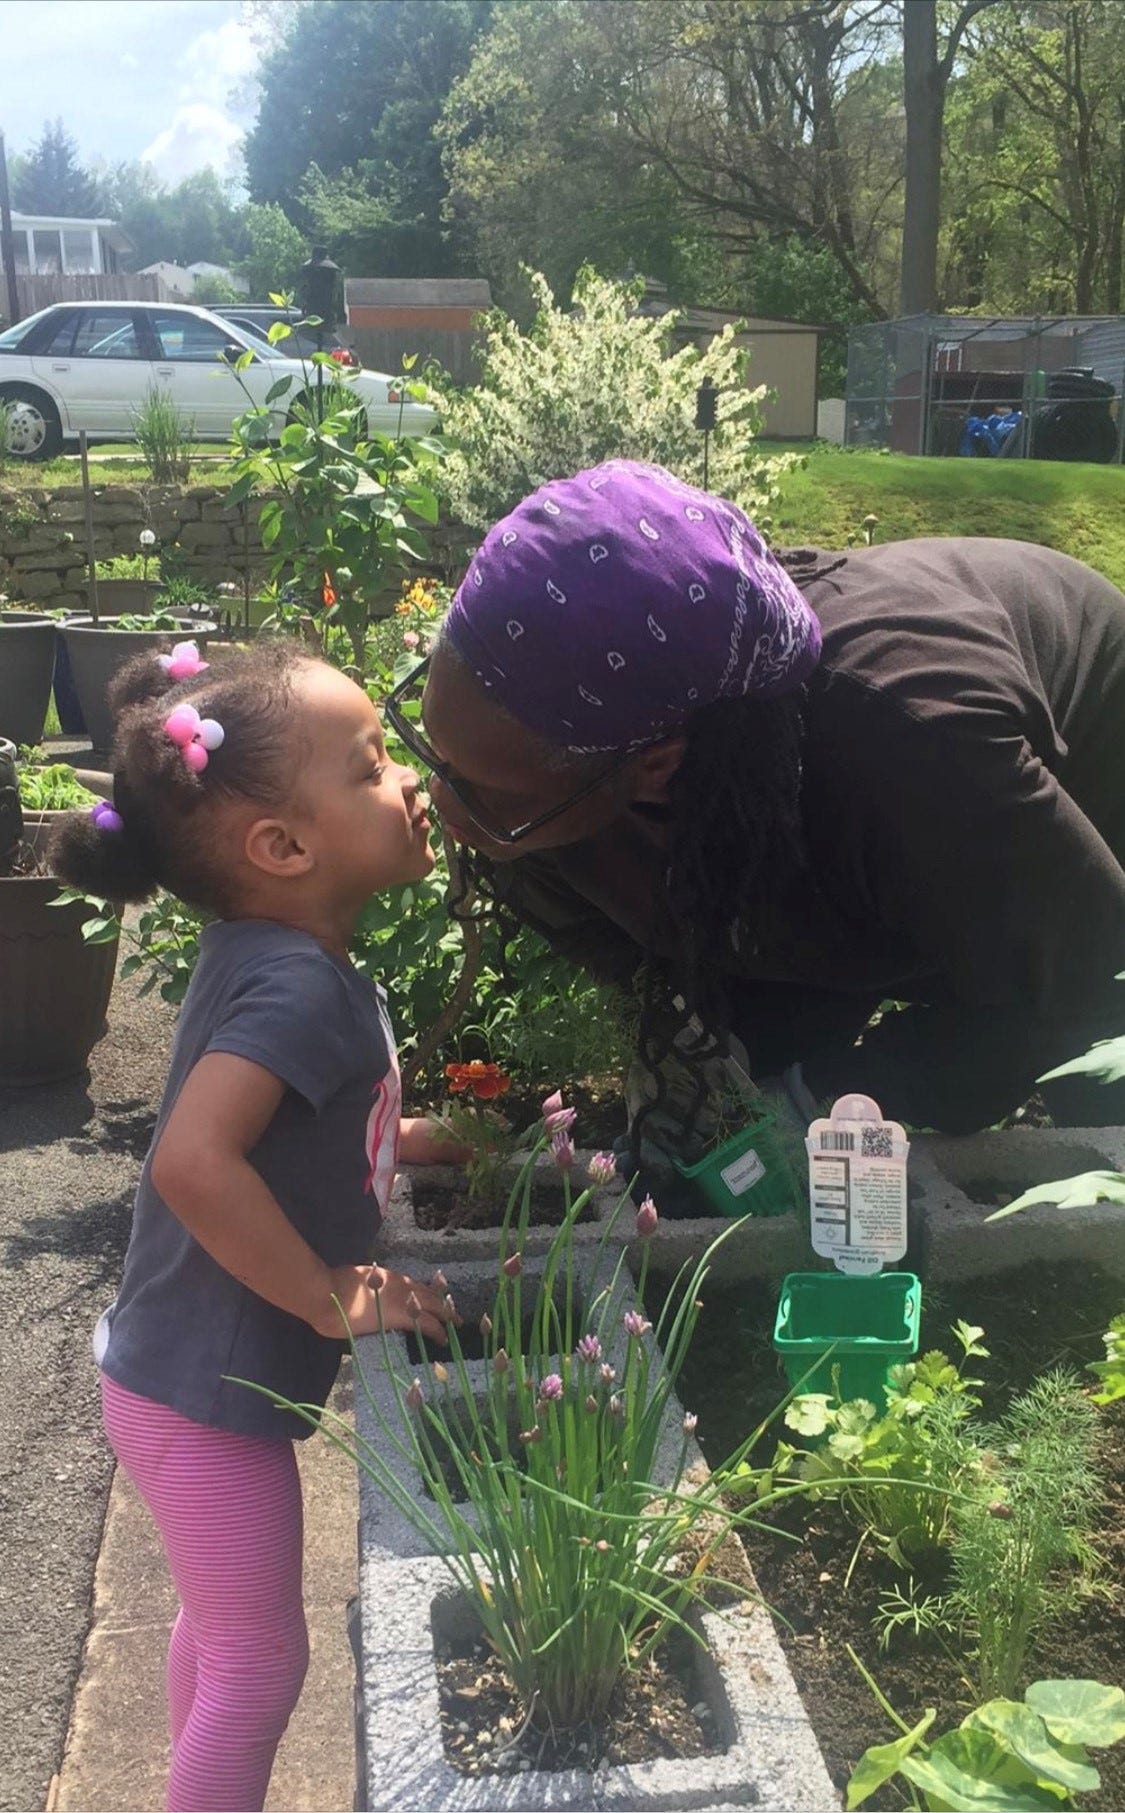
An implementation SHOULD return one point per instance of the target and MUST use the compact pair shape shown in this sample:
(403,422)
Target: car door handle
(166,371)
(62,365)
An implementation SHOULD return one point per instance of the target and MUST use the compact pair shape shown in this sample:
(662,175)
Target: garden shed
(1015,386)
(435,317)
(783,356)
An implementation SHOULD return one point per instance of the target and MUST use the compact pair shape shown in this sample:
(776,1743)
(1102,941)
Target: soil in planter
(1034,1318)
(443,1211)
(655,1712)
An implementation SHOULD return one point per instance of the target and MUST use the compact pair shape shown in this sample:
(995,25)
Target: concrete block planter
(383,1530)
(769,1758)
(402,1238)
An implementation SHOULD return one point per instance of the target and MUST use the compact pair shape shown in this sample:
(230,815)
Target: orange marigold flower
(327,592)
(486,1081)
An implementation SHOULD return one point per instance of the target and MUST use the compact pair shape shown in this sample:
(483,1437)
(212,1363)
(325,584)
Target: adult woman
(801,788)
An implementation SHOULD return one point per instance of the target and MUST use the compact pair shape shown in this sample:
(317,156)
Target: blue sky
(170,81)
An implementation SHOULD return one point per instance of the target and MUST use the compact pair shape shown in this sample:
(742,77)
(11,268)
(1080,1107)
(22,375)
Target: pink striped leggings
(228,1508)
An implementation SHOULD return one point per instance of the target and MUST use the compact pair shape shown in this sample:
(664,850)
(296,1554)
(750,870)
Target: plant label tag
(857,1186)
(743,1173)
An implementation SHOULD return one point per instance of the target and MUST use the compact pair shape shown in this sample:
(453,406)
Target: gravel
(69,1160)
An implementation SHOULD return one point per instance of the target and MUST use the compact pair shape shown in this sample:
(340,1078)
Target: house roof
(417,292)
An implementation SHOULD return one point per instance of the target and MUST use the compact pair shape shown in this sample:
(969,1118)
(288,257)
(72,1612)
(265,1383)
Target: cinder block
(770,1757)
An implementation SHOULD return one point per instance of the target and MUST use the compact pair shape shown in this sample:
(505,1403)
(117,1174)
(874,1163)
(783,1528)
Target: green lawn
(1077,508)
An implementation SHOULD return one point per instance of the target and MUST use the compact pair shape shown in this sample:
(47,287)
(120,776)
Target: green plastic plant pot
(858,1326)
(747,1175)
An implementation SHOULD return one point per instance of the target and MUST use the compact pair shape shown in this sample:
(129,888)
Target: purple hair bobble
(106,817)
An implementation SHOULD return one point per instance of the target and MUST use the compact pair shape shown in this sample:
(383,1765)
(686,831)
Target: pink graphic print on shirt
(382,1135)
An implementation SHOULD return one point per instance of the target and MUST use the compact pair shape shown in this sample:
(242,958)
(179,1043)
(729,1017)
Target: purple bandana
(607,606)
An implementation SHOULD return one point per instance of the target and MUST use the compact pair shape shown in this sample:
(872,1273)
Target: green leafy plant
(1106,1061)
(49,786)
(348,508)
(593,382)
(1022,1556)
(571,1558)
(123,566)
(164,436)
(151,621)
(899,1475)
(1111,1370)
(1005,1756)
(164,940)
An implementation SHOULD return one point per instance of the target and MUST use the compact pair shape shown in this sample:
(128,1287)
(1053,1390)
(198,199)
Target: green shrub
(593,383)
(164,436)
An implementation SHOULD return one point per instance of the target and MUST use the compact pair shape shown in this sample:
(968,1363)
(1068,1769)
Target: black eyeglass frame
(430,759)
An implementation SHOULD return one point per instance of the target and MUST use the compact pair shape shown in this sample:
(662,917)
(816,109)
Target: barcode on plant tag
(837,1142)
(878,1142)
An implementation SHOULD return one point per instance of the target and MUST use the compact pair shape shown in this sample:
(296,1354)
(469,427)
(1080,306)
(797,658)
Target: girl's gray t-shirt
(182,1326)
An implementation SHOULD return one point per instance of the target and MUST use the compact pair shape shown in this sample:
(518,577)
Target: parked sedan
(90,365)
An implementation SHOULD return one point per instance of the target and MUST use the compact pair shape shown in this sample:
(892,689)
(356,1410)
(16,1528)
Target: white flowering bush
(594,383)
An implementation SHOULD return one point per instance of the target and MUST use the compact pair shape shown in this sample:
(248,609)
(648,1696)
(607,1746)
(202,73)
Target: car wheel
(34,431)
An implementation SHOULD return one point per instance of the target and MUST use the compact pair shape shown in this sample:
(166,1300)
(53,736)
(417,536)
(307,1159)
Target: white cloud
(199,135)
(217,62)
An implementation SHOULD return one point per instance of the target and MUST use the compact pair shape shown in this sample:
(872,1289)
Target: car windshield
(12,336)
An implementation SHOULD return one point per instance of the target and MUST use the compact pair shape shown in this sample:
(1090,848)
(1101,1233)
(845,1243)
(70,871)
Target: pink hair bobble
(183,663)
(196,738)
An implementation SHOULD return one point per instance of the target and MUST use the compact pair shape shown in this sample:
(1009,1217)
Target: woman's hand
(373,1297)
(421,1143)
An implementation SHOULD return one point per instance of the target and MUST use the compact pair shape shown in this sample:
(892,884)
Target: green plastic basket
(747,1175)
(862,1326)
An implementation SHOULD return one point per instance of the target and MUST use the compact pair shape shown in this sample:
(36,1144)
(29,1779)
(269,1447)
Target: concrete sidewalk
(116,1756)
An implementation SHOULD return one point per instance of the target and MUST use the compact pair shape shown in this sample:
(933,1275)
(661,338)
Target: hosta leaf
(880,1761)
(1080,1712)
(1022,1731)
(970,1771)
(1106,1059)
(1069,1193)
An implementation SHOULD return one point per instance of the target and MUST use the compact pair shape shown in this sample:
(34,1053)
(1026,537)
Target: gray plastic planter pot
(27,664)
(54,987)
(96,651)
(768,1758)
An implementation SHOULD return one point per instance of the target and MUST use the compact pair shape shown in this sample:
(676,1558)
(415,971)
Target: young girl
(261,792)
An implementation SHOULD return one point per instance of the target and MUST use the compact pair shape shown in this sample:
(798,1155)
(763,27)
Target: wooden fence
(39,292)
(383,348)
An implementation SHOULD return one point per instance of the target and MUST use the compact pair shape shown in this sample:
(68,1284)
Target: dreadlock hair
(168,812)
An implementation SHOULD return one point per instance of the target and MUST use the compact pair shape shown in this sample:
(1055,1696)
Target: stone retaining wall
(43,537)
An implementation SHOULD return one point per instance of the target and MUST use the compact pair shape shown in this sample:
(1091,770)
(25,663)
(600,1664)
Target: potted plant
(27,661)
(97,648)
(54,981)
(743,1169)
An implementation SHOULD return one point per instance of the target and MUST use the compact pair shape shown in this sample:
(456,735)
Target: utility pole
(7,243)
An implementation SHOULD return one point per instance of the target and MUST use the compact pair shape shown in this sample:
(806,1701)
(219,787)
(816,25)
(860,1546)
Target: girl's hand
(421,1143)
(373,1297)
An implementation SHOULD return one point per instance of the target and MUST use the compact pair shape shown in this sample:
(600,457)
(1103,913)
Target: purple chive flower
(486,1325)
(550,1389)
(415,1396)
(500,1361)
(556,1118)
(602,1169)
(562,1151)
(616,1407)
(647,1218)
(589,1349)
(607,1374)
(512,1266)
(591,1403)
(531,1435)
(635,1324)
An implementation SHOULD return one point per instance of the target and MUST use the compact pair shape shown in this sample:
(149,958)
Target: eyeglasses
(410,690)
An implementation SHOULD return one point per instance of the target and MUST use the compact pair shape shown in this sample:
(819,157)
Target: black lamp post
(318,298)
(706,417)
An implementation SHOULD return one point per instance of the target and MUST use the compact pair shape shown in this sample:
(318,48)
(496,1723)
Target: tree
(344,135)
(926,75)
(197,221)
(50,179)
(276,250)
(724,120)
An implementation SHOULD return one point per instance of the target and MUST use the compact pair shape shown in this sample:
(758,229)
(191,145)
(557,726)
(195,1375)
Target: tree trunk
(924,95)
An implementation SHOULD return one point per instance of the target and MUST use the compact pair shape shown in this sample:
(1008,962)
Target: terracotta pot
(54,987)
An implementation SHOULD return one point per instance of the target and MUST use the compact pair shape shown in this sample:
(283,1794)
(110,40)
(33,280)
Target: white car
(90,365)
